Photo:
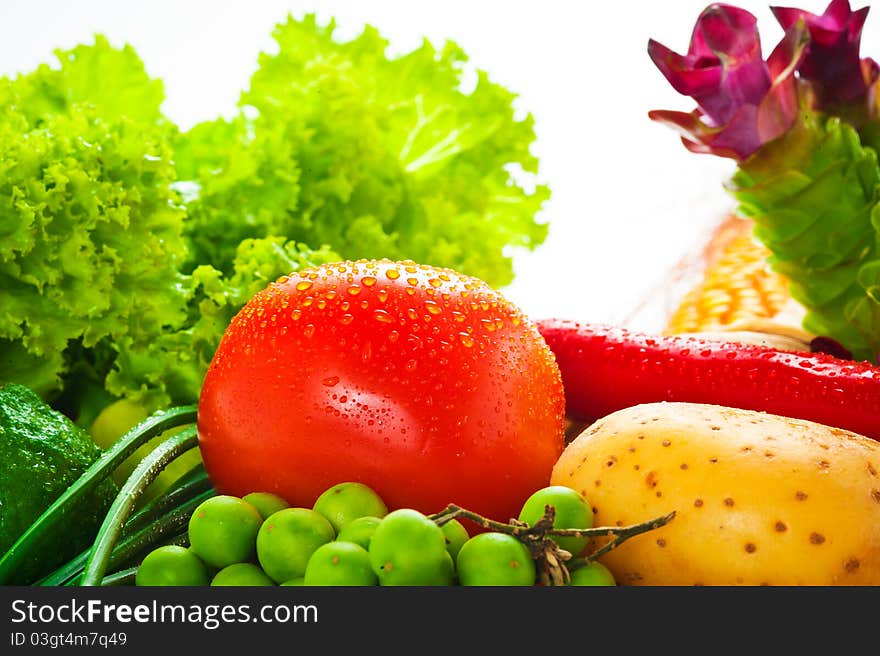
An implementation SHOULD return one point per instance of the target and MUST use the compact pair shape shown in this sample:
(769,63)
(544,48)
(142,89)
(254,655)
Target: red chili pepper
(605,369)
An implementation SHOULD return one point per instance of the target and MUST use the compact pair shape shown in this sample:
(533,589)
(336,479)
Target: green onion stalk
(124,536)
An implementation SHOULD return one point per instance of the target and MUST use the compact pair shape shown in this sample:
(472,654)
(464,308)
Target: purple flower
(743,101)
(831,63)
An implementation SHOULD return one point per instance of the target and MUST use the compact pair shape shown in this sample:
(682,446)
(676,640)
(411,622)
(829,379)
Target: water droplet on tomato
(368,281)
(296,314)
(330,381)
(432,307)
(303,285)
(466,339)
(392,274)
(309,330)
(354,290)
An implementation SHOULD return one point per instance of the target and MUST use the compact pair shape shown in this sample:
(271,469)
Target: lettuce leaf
(91,231)
(98,301)
(337,143)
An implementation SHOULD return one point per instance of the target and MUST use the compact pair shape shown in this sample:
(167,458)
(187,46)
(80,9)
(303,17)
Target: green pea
(171,566)
(288,538)
(593,573)
(340,563)
(241,574)
(407,548)
(345,502)
(495,559)
(456,535)
(223,530)
(444,573)
(360,531)
(572,511)
(266,503)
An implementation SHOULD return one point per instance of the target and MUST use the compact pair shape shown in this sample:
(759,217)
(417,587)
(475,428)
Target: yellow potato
(759,499)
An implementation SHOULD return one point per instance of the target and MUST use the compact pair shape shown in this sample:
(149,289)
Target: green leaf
(813,195)
(339,143)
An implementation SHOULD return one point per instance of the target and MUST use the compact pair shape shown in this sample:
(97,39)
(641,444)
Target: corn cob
(737,287)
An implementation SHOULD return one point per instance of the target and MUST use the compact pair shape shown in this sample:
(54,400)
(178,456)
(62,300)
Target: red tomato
(422,383)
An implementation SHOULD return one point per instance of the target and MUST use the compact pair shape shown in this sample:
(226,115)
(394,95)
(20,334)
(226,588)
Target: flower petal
(681,73)
(839,78)
(778,110)
(730,30)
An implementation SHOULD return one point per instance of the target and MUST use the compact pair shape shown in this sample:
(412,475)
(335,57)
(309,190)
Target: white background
(628,200)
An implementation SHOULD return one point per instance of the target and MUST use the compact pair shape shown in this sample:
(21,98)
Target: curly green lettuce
(96,299)
(337,143)
(91,231)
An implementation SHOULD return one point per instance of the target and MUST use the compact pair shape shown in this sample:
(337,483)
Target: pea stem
(553,563)
(453,511)
(621,534)
(158,423)
(144,474)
